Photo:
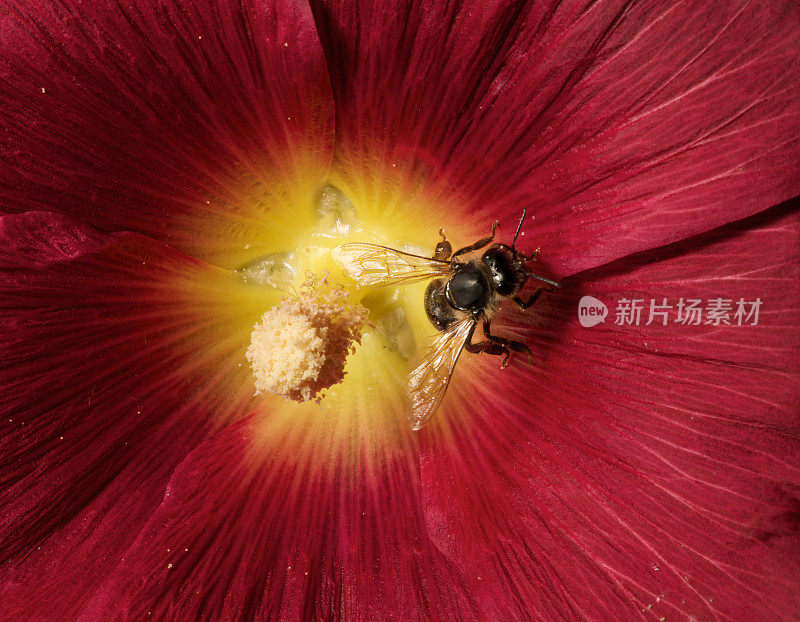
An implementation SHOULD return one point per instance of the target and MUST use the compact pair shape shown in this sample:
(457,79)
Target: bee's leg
(479,244)
(533,255)
(483,347)
(508,344)
(443,248)
(524,304)
(487,347)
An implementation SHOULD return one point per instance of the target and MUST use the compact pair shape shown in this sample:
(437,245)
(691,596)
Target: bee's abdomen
(439,311)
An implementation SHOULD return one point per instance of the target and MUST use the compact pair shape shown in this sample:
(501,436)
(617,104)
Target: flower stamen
(300,346)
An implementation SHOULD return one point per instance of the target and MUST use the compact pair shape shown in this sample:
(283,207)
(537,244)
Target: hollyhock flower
(165,165)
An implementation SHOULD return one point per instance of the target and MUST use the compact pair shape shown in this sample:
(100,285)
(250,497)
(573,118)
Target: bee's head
(507,266)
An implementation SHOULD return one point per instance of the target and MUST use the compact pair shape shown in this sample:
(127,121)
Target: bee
(462,294)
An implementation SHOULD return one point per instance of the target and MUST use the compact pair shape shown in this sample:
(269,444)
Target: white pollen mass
(300,346)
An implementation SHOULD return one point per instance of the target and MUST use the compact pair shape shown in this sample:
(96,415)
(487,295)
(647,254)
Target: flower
(152,149)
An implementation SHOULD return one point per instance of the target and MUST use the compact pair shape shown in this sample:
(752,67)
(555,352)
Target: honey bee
(462,294)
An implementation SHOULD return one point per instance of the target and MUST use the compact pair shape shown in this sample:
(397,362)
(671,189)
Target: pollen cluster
(300,346)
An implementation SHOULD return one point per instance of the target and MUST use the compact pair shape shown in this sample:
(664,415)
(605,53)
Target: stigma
(300,346)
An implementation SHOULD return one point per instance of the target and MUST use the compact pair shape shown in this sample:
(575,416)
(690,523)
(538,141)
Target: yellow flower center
(344,349)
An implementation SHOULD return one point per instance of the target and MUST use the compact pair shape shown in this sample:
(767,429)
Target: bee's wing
(375,265)
(428,381)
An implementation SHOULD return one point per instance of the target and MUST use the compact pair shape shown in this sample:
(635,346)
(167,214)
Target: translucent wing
(375,265)
(428,381)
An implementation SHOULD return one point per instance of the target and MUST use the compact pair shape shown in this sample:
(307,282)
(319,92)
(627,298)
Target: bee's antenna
(543,279)
(519,226)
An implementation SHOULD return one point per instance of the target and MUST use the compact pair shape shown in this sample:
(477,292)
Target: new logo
(591,311)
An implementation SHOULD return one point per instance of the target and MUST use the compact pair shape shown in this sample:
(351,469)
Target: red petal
(621,126)
(637,469)
(117,356)
(200,124)
(249,529)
